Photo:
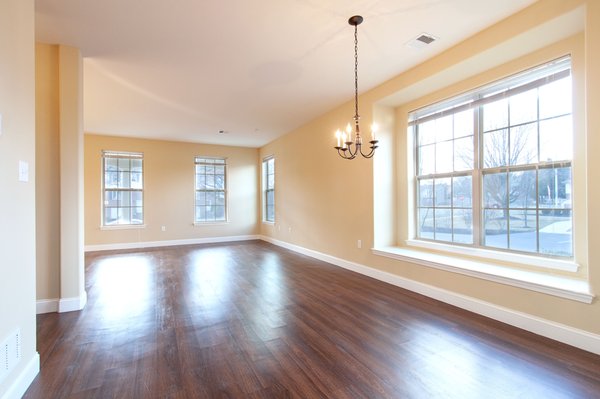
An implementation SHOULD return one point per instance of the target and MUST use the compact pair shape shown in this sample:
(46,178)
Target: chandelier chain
(356,72)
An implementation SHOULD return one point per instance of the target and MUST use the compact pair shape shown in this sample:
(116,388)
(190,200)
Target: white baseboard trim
(72,304)
(168,243)
(46,306)
(19,386)
(556,331)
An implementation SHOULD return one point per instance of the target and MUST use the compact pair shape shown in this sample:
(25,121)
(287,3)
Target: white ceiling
(185,69)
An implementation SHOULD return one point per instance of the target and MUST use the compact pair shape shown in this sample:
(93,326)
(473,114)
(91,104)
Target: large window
(493,166)
(122,188)
(211,194)
(268,168)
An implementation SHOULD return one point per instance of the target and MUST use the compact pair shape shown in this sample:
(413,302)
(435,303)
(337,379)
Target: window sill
(217,223)
(268,223)
(124,227)
(560,286)
(484,253)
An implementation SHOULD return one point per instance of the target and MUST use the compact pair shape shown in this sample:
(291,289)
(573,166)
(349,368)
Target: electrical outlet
(163,228)
(359,244)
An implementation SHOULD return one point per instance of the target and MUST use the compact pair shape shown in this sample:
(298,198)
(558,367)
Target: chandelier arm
(343,154)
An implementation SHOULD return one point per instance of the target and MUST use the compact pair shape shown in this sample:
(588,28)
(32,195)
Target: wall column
(72,274)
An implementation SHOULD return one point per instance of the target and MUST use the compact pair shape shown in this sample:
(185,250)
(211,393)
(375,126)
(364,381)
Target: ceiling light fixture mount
(346,147)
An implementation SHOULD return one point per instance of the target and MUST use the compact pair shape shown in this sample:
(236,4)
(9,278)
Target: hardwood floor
(251,320)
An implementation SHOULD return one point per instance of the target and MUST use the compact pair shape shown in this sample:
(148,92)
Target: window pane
(124,180)
(270,213)
(210,170)
(220,198)
(200,198)
(270,198)
(136,198)
(426,132)
(137,216)
(270,181)
(124,198)
(220,170)
(463,123)
(494,190)
(111,164)
(523,230)
(495,115)
(443,192)
(200,182)
(136,165)
(556,234)
(443,128)
(555,98)
(495,149)
(522,189)
(443,157)
(462,192)
(201,213)
(556,139)
(136,180)
(111,216)
(111,198)
(523,144)
(425,192)
(523,107)
(210,182)
(463,154)
(219,212)
(111,180)
(495,223)
(554,188)
(220,182)
(426,159)
(210,212)
(210,198)
(124,216)
(200,169)
(443,224)
(124,165)
(462,220)
(425,227)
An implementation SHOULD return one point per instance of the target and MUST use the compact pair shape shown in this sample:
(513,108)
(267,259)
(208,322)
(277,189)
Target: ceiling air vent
(421,41)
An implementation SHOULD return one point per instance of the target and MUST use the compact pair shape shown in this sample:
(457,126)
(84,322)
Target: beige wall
(17,202)
(59,186)
(169,191)
(326,204)
(47,169)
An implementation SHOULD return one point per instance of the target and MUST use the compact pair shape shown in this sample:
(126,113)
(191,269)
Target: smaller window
(122,188)
(269,189)
(211,190)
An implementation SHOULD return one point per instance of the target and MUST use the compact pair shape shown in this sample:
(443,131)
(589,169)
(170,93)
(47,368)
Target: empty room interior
(299,199)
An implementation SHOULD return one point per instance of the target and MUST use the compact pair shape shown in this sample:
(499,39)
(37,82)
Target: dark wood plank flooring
(251,320)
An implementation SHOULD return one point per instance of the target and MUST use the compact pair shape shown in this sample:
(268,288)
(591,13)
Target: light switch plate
(23,171)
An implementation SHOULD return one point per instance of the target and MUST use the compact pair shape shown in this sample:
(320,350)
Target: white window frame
(463,102)
(133,193)
(266,188)
(208,192)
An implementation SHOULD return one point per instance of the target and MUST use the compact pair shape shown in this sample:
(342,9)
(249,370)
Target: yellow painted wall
(47,124)
(169,191)
(326,204)
(17,201)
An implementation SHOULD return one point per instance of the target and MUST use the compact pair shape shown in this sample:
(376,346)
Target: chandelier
(347,147)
